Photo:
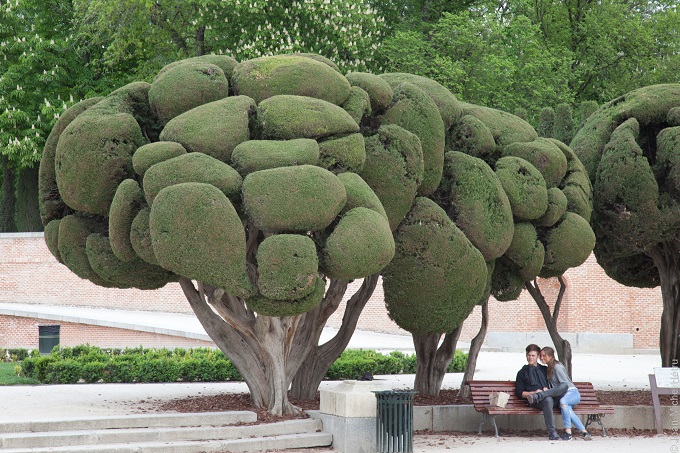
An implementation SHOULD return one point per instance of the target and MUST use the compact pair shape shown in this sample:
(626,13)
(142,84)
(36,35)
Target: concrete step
(132,421)
(84,437)
(283,442)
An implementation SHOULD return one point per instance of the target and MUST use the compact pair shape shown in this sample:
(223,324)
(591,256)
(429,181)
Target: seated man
(532,379)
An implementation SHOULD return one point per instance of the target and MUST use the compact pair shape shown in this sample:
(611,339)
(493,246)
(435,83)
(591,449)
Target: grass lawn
(8,377)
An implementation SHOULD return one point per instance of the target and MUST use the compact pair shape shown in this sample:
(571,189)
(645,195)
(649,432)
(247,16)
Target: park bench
(481,390)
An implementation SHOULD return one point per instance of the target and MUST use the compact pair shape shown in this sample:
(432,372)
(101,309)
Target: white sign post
(664,381)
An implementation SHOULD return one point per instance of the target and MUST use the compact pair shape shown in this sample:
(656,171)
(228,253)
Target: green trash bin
(394,421)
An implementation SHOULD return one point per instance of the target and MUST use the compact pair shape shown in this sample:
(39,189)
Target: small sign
(668,378)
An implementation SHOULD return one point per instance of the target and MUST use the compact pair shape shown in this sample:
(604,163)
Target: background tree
(630,148)
(546,122)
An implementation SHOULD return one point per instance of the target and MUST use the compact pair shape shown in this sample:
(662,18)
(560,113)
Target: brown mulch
(242,402)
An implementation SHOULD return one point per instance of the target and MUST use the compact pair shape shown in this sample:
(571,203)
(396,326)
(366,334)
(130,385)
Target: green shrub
(66,371)
(121,369)
(159,370)
(353,363)
(93,371)
(457,365)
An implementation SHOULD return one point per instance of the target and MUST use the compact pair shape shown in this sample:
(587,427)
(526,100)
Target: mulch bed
(242,402)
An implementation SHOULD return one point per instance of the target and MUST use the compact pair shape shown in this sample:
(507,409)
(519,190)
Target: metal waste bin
(394,421)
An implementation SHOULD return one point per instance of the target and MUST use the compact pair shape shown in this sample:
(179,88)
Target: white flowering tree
(37,73)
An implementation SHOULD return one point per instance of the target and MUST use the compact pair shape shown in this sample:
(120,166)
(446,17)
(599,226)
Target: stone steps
(167,433)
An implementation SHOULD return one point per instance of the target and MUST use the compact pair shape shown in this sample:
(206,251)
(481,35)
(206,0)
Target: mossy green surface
(153,153)
(474,199)
(358,104)
(214,129)
(576,184)
(505,127)
(436,277)
(184,87)
(413,110)
(526,252)
(379,91)
(637,270)
(52,238)
(360,194)
(343,154)
(127,202)
(557,206)
(287,266)
(471,136)
(567,244)
(360,245)
(649,105)
(545,156)
(264,77)
(123,274)
(319,58)
(140,236)
(192,167)
(94,155)
(264,306)
(51,205)
(224,62)
(73,233)
(668,159)
(525,187)
(286,117)
(255,155)
(393,169)
(196,233)
(673,117)
(449,107)
(300,198)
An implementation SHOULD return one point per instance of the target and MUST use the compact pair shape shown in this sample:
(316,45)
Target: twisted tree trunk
(562,345)
(666,259)
(432,361)
(475,347)
(316,364)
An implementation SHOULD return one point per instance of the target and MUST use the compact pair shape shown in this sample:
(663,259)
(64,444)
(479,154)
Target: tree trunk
(316,364)
(432,362)
(562,345)
(27,209)
(665,257)
(8,201)
(475,347)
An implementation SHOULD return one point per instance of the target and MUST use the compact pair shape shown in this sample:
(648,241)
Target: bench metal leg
(596,418)
(490,419)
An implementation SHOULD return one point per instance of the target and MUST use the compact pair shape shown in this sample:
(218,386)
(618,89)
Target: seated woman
(557,375)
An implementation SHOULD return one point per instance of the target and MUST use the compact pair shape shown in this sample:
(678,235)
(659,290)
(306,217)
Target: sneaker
(586,435)
(554,436)
(566,436)
(532,398)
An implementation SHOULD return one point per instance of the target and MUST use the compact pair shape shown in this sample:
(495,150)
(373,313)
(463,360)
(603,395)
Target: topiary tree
(498,217)
(583,112)
(546,122)
(564,123)
(251,201)
(630,147)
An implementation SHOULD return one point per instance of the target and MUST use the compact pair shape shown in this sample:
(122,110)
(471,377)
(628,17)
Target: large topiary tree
(241,182)
(631,147)
(500,207)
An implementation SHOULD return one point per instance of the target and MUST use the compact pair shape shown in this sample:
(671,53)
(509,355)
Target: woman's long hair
(550,352)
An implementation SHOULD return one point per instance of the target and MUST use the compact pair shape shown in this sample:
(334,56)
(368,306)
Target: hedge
(85,363)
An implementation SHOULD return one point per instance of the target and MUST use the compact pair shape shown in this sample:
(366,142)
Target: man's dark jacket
(529,380)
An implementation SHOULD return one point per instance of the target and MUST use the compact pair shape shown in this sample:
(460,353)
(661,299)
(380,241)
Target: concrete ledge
(465,418)
(585,342)
(350,434)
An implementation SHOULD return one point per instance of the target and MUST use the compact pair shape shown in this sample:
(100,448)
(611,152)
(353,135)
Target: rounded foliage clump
(526,252)
(127,202)
(360,194)
(185,86)
(73,233)
(287,267)
(274,307)
(300,198)
(153,153)
(52,238)
(544,155)
(567,244)
(343,154)
(436,277)
(394,170)
(255,155)
(358,104)
(525,187)
(505,128)
(224,62)
(360,245)
(557,206)
(264,77)
(472,137)
(379,91)
(140,236)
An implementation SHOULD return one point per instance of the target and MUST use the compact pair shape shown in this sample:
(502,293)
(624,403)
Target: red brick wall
(17,332)
(592,303)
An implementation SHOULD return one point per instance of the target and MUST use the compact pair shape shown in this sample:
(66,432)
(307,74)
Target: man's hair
(533,347)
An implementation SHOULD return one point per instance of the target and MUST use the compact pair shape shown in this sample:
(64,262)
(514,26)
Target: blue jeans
(567,403)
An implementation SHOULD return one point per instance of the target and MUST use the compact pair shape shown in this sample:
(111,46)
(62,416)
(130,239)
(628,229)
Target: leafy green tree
(255,197)
(546,122)
(564,123)
(630,147)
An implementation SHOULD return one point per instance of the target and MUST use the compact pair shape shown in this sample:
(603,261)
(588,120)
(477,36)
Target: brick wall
(592,303)
(18,332)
